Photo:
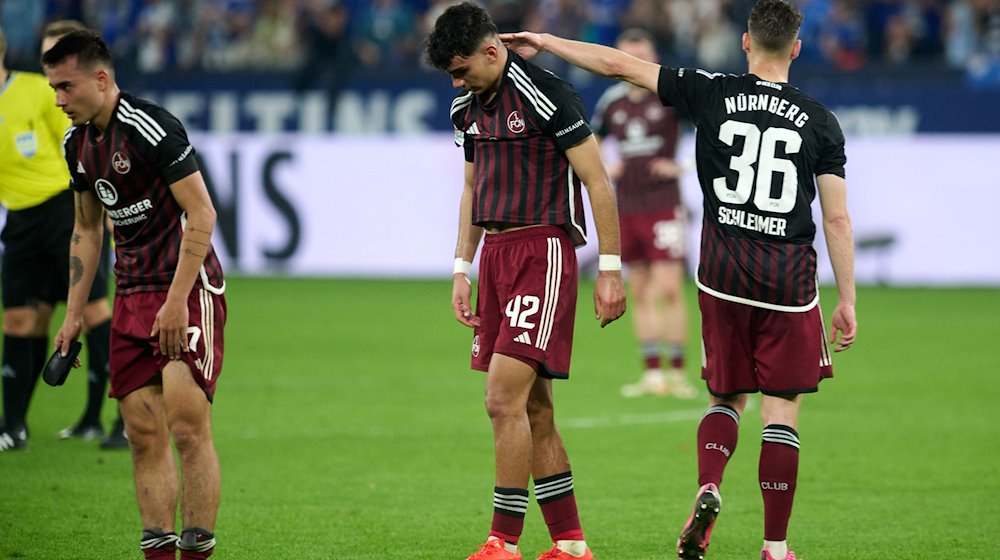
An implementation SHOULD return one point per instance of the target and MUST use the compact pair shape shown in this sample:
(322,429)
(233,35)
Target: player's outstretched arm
(609,291)
(465,251)
(840,244)
(598,59)
(84,257)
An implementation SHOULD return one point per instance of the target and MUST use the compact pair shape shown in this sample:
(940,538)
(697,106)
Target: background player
(97,314)
(36,236)
(134,158)
(762,148)
(653,221)
(527,146)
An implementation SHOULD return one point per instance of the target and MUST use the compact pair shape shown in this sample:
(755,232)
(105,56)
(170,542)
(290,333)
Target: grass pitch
(349,427)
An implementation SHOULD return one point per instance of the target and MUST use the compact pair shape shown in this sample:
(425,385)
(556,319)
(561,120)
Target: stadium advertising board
(875,105)
(317,205)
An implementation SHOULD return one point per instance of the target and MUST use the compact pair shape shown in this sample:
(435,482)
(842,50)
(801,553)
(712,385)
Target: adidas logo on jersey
(523,338)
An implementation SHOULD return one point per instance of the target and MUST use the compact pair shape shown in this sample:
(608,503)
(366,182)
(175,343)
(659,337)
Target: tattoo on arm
(79,206)
(76,239)
(194,229)
(76,270)
(188,251)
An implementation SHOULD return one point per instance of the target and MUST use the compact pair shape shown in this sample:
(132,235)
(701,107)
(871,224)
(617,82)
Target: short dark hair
(3,45)
(87,45)
(774,24)
(636,35)
(62,27)
(458,32)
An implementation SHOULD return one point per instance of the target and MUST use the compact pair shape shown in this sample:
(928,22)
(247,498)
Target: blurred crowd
(153,36)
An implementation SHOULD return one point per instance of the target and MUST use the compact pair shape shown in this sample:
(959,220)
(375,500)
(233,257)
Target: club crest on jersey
(121,163)
(106,192)
(475,346)
(515,122)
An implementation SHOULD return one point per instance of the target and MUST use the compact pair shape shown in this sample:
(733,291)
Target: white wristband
(462,266)
(609,262)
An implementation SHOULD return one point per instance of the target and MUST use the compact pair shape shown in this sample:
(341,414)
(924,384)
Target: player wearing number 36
(763,146)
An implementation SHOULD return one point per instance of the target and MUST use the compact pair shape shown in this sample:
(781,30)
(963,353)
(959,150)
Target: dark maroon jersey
(130,169)
(645,131)
(759,147)
(516,142)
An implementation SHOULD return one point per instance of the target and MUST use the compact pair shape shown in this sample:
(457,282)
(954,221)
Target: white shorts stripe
(553,281)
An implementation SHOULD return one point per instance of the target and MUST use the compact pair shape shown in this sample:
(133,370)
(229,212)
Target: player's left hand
(171,325)
(609,296)
(525,44)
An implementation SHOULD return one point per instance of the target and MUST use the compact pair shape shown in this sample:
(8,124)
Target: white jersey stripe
(144,116)
(573,218)
(531,94)
(460,102)
(542,98)
(140,128)
(147,123)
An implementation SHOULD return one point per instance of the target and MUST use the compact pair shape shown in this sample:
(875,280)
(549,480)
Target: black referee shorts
(35,267)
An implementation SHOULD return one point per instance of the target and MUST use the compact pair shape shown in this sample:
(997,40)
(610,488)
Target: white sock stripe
(516,508)
(562,487)
(553,484)
(780,436)
(201,546)
(510,498)
(723,410)
(159,541)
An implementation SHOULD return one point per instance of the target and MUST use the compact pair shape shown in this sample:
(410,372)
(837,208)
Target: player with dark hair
(763,147)
(132,159)
(652,221)
(527,147)
(36,236)
(98,331)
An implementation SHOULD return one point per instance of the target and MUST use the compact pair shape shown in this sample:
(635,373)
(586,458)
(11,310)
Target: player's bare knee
(541,416)
(22,321)
(188,436)
(96,312)
(735,402)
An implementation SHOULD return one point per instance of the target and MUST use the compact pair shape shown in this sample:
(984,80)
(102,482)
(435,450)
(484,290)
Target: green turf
(349,427)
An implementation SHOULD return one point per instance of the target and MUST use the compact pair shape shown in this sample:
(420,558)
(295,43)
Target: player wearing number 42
(762,147)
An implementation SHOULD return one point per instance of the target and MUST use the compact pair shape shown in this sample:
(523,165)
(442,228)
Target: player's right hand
(525,44)
(461,295)
(845,322)
(68,332)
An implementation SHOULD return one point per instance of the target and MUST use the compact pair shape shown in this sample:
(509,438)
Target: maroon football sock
(717,436)
(778,472)
(158,545)
(555,498)
(509,507)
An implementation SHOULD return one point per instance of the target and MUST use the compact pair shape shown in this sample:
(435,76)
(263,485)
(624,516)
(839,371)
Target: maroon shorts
(749,349)
(527,299)
(653,236)
(136,357)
